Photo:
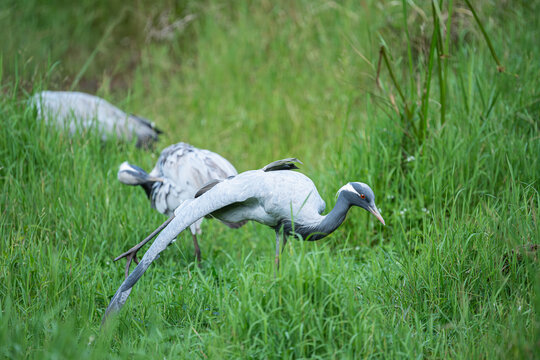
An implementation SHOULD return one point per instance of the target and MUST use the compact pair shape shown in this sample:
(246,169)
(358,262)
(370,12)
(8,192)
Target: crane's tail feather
(284,164)
(145,122)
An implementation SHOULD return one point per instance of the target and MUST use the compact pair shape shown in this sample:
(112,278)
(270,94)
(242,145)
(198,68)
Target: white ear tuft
(347,187)
(124,166)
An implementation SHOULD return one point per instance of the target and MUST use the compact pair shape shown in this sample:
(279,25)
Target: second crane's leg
(197,249)
(131,254)
(277,253)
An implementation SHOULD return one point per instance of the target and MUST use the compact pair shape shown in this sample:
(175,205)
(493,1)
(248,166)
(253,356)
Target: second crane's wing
(223,194)
(217,166)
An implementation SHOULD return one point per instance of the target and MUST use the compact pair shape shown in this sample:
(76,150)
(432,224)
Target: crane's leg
(284,242)
(197,249)
(131,254)
(277,254)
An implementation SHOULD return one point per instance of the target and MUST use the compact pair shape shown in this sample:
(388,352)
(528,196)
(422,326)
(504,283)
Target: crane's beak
(157,179)
(373,209)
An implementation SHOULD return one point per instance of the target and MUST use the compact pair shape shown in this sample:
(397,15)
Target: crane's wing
(223,194)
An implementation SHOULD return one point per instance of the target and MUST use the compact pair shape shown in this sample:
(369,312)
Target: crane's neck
(327,223)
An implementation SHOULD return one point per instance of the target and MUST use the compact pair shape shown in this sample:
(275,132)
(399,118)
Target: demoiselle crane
(180,171)
(75,110)
(285,200)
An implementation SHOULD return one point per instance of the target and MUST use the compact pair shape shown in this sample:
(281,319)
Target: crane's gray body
(281,199)
(74,110)
(184,169)
(280,196)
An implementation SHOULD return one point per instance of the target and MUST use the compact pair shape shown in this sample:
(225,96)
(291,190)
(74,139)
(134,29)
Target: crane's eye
(362,196)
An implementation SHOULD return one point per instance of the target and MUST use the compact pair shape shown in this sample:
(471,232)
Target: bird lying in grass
(73,109)
(275,196)
(180,171)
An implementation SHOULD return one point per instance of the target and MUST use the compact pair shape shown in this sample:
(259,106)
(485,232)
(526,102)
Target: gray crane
(74,109)
(275,196)
(180,171)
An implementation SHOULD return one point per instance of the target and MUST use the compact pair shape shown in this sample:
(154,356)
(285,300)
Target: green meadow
(443,124)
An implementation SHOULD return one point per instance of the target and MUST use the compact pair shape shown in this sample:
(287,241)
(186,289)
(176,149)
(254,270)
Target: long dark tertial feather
(285,164)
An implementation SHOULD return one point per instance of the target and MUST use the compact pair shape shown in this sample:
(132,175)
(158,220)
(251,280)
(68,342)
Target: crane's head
(360,194)
(133,175)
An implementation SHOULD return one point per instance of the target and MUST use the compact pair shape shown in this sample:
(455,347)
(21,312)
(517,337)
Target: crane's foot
(131,254)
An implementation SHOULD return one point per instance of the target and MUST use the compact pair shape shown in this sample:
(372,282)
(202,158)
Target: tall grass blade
(440,59)
(500,67)
(409,45)
(408,115)
(427,84)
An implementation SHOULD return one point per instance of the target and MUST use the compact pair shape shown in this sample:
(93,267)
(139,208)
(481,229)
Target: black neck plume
(327,224)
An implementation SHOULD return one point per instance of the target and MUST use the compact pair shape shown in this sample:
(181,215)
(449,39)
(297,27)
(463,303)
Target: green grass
(257,82)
